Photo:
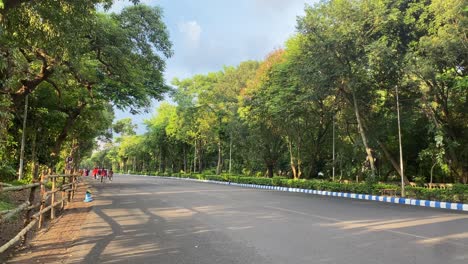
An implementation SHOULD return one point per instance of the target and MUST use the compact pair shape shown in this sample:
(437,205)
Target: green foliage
(208,172)
(74,64)
(7,173)
(277,180)
(420,180)
(5,205)
(274,117)
(214,178)
(458,193)
(125,127)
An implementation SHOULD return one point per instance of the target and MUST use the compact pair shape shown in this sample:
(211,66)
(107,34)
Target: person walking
(103,174)
(111,174)
(95,172)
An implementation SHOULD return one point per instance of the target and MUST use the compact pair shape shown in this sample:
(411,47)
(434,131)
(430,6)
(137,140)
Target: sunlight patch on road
(366,223)
(127,217)
(436,240)
(207,209)
(426,221)
(171,214)
(388,226)
(128,249)
(239,227)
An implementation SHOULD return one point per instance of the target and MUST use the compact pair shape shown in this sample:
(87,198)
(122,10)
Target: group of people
(99,172)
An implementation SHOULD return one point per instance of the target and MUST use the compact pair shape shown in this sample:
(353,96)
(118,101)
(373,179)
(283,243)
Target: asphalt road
(153,220)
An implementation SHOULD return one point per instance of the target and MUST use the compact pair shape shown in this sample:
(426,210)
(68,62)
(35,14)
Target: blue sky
(208,34)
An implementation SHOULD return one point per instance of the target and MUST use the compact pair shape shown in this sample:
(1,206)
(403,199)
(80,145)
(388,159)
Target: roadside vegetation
(457,193)
(67,65)
(324,107)
(5,204)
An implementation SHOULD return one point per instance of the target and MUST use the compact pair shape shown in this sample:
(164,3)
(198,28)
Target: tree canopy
(74,64)
(335,80)
(326,102)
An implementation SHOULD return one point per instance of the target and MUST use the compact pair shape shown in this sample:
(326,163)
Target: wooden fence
(62,190)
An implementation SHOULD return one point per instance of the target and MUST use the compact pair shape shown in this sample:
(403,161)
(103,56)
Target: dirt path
(52,244)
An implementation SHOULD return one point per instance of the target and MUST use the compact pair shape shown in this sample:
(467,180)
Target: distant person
(111,174)
(103,174)
(95,172)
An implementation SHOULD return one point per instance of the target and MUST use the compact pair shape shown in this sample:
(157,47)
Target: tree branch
(59,93)
(107,65)
(28,86)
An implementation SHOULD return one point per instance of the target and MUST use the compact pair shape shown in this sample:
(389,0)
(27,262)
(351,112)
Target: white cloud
(192,31)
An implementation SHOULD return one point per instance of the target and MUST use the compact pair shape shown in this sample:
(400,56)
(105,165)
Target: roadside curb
(368,197)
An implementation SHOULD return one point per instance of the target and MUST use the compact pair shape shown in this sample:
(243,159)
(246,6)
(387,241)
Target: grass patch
(5,205)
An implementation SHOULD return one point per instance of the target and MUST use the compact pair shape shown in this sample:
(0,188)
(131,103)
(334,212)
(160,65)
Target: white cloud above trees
(192,32)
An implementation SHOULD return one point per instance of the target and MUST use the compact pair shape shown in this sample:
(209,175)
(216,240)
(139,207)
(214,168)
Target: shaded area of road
(153,220)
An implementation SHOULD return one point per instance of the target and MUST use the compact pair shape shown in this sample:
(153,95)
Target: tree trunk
(160,160)
(299,161)
(218,168)
(35,168)
(390,158)
(200,162)
(432,171)
(195,157)
(230,154)
(72,116)
(270,168)
(370,157)
(185,158)
(291,159)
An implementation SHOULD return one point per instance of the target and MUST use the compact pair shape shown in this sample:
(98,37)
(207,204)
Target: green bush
(377,188)
(7,173)
(208,172)
(459,192)
(276,181)
(215,178)
(252,180)
(420,180)
(5,205)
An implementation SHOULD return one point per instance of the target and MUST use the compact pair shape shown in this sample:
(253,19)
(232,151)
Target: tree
(437,64)
(124,127)
(74,61)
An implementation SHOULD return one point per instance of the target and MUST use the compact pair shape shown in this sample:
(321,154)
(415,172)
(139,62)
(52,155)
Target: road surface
(152,220)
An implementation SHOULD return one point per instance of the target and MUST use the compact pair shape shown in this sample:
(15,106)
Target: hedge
(458,193)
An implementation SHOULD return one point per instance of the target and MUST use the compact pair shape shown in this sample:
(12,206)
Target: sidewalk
(52,244)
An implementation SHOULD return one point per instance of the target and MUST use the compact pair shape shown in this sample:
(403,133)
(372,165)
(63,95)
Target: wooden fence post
(32,198)
(63,197)
(52,199)
(42,201)
(75,185)
(68,191)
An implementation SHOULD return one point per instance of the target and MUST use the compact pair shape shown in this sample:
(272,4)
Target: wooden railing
(65,184)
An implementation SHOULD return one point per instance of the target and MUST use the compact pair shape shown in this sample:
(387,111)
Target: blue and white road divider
(377,198)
